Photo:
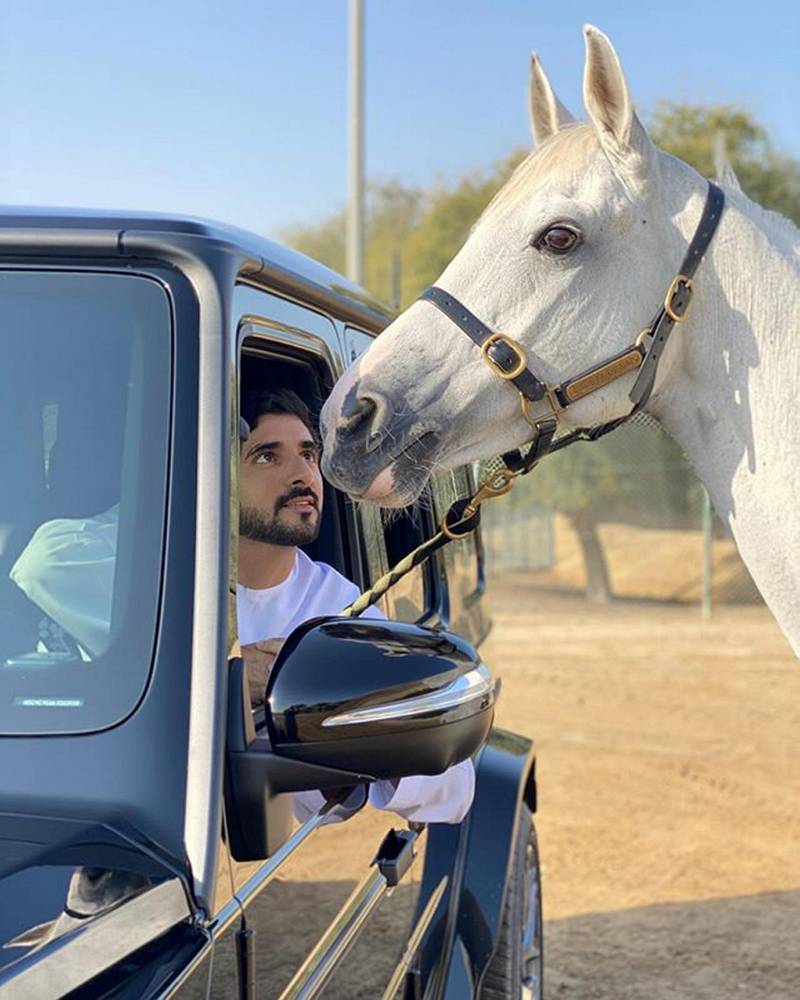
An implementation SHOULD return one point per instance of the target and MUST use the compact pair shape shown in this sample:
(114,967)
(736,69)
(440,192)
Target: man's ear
(608,103)
(244,429)
(547,113)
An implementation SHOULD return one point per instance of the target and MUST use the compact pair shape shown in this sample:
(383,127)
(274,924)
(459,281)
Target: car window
(84,422)
(462,558)
(390,537)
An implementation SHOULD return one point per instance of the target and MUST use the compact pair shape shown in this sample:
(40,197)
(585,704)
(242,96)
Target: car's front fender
(475,856)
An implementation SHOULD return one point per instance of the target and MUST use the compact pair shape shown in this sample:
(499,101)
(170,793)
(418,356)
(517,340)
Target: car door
(287,904)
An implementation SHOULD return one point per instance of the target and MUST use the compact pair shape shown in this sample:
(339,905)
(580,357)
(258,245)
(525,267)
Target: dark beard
(255,525)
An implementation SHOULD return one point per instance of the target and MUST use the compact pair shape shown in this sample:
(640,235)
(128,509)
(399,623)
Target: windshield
(84,416)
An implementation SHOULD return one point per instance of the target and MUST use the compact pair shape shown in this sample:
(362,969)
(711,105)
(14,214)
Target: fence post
(705,605)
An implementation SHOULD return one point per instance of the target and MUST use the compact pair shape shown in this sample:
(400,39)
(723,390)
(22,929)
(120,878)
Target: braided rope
(459,522)
(395,574)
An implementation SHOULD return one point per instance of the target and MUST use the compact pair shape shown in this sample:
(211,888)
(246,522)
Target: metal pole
(355,205)
(396,278)
(705,607)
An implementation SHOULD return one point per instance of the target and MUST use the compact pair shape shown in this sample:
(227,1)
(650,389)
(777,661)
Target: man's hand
(258,658)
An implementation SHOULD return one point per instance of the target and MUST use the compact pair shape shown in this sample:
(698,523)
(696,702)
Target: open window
(267,364)
(286,346)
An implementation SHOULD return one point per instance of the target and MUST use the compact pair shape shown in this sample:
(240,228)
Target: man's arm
(435,798)
(259,658)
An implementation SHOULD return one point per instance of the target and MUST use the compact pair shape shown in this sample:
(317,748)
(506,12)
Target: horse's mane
(569,151)
(782,229)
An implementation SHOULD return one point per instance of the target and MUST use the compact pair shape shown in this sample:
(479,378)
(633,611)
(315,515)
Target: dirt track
(669,816)
(669,775)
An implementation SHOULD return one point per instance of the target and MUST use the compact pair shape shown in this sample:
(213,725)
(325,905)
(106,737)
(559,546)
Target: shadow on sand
(747,946)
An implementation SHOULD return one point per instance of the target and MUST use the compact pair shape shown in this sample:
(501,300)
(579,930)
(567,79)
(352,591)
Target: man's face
(280,485)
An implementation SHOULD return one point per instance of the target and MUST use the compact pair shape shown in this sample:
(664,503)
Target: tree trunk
(598,587)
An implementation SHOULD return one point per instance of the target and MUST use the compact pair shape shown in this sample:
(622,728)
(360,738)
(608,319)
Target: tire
(516,968)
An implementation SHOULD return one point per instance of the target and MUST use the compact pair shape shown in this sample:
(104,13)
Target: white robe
(312,589)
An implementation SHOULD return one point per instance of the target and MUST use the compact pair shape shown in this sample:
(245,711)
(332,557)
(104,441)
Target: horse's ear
(726,175)
(608,102)
(548,114)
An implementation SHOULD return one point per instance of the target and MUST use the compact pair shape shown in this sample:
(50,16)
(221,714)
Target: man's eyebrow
(263,446)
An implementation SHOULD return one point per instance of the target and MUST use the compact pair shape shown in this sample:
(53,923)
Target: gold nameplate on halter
(679,279)
(603,375)
(501,338)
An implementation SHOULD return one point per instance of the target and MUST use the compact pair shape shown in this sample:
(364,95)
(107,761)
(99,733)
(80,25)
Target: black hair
(259,403)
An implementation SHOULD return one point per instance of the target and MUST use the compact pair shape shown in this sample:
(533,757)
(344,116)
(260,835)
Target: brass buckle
(555,407)
(501,338)
(673,287)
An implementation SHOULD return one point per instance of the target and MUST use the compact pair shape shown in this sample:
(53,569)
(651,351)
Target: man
(280,500)
(280,496)
(68,570)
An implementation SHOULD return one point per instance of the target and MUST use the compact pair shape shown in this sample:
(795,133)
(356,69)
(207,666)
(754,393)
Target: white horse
(571,259)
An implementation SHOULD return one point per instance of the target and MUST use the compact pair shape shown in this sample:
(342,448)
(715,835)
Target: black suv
(147,842)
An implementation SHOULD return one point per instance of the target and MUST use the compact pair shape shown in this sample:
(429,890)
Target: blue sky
(237,111)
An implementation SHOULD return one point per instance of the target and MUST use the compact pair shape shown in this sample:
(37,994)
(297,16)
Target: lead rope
(461,520)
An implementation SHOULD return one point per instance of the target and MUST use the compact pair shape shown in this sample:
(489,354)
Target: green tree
(637,476)
(449,214)
(393,214)
(767,176)
(575,482)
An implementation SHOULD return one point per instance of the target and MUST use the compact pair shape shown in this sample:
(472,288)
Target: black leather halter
(507,358)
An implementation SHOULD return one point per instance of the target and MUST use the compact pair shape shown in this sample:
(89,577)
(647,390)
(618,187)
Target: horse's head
(570,259)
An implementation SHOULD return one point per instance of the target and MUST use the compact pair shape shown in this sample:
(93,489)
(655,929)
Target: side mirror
(348,701)
(381,698)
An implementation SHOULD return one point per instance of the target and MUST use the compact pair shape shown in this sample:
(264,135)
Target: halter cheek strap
(678,297)
(503,355)
(507,359)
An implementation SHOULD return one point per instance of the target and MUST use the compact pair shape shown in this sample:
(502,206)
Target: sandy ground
(669,779)
(669,808)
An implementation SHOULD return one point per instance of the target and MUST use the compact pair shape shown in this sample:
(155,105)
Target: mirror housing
(349,701)
(382,698)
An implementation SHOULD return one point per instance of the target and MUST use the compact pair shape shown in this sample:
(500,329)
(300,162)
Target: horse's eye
(558,240)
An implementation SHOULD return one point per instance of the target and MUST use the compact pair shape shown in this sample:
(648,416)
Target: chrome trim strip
(69,961)
(207,708)
(265,873)
(273,278)
(314,973)
(271,333)
(414,939)
(471,686)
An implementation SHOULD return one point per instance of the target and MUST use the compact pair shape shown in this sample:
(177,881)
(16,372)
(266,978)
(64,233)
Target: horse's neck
(733,404)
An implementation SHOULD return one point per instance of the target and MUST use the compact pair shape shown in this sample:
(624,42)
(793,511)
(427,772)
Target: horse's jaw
(731,404)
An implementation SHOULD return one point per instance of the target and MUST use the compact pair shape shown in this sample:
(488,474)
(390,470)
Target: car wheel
(515,971)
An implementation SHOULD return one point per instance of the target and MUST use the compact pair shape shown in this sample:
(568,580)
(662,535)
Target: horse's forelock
(567,152)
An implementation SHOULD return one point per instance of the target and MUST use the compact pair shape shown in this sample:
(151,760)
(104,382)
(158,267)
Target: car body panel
(150,795)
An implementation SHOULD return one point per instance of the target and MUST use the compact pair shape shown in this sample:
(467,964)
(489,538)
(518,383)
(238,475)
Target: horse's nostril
(358,411)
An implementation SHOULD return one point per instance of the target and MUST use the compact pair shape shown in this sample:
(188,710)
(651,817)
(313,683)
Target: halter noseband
(507,359)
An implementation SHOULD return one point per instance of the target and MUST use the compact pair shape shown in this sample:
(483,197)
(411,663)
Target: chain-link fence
(623,517)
